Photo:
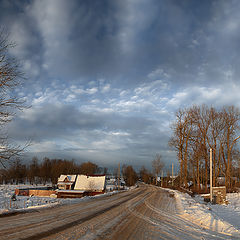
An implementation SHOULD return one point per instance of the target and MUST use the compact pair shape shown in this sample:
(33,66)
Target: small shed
(90,183)
(66,182)
(219,195)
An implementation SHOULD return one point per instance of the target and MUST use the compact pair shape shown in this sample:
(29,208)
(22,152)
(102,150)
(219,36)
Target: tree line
(47,171)
(198,129)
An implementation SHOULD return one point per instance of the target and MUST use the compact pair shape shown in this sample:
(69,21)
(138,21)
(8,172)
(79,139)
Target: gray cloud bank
(125,40)
(79,134)
(105,77)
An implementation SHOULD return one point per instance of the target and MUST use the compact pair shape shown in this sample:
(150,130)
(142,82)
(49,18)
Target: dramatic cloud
(104,78)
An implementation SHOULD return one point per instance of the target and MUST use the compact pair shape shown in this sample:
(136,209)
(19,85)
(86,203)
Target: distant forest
(45,171)
(48,171)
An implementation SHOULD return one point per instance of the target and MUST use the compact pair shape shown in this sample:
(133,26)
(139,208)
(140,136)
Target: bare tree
(129,174)
(10,79)
(177,140)
(88,168)
(232,117)
(157,165)
(195,131)
(33,170)
(182,130)
(145,175)
(202,120)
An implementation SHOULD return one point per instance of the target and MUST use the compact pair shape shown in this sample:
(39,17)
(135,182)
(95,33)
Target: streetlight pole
(211,197)
(162,179)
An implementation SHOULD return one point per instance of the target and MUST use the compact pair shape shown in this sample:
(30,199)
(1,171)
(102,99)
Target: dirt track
(146,212)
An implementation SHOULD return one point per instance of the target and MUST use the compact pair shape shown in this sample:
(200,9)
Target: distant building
(112,184)
(66,182)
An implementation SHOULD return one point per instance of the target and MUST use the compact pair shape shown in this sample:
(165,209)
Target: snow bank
(231,212)
(208,215)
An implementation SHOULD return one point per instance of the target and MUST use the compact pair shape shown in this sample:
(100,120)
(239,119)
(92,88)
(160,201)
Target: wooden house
(66,182)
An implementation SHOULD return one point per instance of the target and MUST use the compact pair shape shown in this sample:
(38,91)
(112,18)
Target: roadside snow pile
(220,218)
(26,203)
(231,212)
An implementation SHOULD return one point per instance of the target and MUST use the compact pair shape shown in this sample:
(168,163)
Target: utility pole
(211,197)
(172,174)
(118,176)
(162,179)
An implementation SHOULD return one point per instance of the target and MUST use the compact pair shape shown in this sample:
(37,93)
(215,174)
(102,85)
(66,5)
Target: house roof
(70,178)
(90,183)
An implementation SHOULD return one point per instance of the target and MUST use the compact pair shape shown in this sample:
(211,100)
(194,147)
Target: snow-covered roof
(70,178)
(90,183)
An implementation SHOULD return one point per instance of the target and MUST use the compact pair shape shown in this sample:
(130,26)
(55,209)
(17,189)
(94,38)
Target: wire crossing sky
(104,78)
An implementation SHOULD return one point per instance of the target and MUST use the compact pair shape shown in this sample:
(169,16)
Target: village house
(70,186)
(74,186)
(112,184)
(66,182)
(91,183)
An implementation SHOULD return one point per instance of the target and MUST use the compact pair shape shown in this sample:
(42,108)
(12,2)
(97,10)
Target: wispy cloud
(104,78)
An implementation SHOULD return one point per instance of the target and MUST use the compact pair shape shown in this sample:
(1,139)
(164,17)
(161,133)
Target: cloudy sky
(104,78)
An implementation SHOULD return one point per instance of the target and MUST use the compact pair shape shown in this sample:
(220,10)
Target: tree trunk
(198,176)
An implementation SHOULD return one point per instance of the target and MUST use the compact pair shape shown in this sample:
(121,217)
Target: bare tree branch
(10,79)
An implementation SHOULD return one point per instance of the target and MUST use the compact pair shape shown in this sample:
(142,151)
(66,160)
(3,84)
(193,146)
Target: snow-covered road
(146,212)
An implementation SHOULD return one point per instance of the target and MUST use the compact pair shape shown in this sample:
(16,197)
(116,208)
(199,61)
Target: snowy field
(221,218)
(25,203)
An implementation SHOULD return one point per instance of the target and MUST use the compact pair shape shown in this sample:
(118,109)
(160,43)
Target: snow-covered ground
(25,203)
(221,218)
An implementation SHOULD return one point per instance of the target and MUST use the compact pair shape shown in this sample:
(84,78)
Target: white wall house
(93,183)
